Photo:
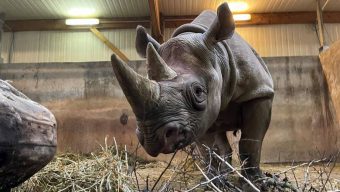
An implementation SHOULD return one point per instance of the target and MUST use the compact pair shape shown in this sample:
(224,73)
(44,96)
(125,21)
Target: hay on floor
(102,171)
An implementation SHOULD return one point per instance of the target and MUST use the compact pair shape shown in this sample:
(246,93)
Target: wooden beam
(59,24)
(331,17)
(109,44)
(265,19)
(156,31)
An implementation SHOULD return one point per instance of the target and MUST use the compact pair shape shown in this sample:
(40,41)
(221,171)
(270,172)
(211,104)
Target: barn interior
(66,67)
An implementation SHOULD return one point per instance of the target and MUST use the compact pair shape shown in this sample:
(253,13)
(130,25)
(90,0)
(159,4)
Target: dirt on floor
(115,169)
(92,120)
(313,176)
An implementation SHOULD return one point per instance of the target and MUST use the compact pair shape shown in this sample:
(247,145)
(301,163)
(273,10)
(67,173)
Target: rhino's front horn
(157,68)
(140,92)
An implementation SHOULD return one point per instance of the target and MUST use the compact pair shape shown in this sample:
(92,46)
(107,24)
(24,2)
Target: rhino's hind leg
(256,115)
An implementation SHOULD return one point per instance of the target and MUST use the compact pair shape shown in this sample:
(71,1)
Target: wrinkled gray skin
(202,82)
(27,137)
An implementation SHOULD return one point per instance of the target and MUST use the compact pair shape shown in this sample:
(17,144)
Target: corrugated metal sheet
(71,46)
(332,32)
(194,7)
(284,40)
(76,46)
(60,9)
(5,46)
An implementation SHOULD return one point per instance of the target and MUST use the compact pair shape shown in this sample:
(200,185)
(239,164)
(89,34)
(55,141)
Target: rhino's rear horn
(157,68)
(141,93)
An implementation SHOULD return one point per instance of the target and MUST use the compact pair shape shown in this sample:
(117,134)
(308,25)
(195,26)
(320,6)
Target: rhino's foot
(269,182)
(272,182)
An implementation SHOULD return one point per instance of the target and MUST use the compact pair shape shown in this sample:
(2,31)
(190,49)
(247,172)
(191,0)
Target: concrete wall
(303,122)
(88,104)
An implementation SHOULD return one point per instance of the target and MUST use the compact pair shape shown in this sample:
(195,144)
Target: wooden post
(322,40)
(155,18)
(109,44)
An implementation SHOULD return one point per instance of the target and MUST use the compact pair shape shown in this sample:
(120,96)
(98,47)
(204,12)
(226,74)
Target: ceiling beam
(59,24)
(155,18)
(170,21)
(265,19)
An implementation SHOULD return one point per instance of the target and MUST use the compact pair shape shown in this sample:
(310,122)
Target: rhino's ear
(223,26)
(142,40)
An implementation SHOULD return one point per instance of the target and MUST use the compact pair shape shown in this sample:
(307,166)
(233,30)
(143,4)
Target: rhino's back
(253,79)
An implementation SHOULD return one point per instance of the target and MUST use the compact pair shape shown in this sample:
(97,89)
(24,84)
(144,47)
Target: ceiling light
(238,6)
(81,12)
(242,17)
(82,21)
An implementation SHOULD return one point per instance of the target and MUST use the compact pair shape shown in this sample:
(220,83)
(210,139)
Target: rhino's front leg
(256,116)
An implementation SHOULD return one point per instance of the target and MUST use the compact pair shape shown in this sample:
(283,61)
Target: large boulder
(28,136)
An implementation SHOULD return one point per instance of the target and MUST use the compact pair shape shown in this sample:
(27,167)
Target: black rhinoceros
(27,137)
(205,80)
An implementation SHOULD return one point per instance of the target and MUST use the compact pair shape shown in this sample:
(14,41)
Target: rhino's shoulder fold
(189,27)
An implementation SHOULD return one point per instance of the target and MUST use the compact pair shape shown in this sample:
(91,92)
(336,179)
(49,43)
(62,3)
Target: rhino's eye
(198,91)
(198,96)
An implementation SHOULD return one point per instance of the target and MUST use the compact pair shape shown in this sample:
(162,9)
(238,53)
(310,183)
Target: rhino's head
(181,97)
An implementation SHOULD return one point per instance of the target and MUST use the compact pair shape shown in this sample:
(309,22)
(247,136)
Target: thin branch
(135,164)
(300,165)
(204,183)
(234,170)
(160,176)
(329,174)
(207,178)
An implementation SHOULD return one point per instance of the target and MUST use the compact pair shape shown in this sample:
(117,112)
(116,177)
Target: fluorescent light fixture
(238,6)
(242,17)
(82,21)
(81,12)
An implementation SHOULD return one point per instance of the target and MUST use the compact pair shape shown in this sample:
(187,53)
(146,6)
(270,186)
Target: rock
(28,136)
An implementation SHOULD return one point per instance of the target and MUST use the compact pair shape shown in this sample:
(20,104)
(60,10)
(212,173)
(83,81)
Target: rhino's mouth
(183,139)
(168,139)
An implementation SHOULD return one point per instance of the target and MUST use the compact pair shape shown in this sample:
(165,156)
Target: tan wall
(83,125)
(303,123)
(88,104)
(330,60)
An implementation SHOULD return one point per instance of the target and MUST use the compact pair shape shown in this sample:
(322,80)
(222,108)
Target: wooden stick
(109,44)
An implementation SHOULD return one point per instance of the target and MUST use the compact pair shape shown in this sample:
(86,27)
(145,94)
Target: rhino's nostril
(170,132)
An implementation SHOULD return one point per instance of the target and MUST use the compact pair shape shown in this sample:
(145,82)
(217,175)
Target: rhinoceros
(203,81)
(27,136)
